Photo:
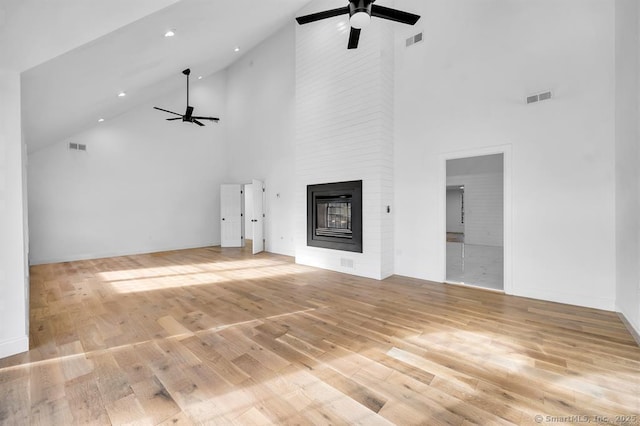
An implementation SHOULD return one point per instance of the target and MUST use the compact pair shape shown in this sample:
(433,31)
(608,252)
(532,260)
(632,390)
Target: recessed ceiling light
(100,120)
(199,77)
(170,33)
(122,94)
(237,49)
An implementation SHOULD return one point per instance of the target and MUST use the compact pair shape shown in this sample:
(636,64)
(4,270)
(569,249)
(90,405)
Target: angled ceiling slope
(67,94)
(34,31)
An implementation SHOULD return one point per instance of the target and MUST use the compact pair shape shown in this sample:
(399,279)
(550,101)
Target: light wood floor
(217,336)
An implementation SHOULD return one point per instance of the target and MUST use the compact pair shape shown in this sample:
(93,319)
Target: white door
(257,216)
(231,215)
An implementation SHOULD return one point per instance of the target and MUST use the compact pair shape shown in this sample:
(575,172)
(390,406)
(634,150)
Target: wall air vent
(544,96)
(77,146)
(414,39)
(539,97)
(346,263)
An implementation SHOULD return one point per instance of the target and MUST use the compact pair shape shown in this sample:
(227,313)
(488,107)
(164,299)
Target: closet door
(231,215)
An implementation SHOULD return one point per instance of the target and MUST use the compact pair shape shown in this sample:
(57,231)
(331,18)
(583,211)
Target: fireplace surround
(334,216)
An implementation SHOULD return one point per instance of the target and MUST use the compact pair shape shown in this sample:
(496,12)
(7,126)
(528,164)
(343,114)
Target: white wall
(144,184)
(344,132)
(171,172)
(627,160)
(260,123)
(13,266)
(464,89)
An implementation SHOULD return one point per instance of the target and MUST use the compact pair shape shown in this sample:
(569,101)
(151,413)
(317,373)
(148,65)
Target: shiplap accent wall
(483,207)
(344,131)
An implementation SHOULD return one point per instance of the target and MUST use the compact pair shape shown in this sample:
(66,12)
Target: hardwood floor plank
(85,401)
(155,400)
(126,410)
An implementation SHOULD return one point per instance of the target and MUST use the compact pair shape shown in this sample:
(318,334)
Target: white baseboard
(594,302)
(103,255)
(635,333)
(14,346)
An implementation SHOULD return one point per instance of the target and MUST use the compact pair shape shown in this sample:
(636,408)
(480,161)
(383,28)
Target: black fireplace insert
(334,216)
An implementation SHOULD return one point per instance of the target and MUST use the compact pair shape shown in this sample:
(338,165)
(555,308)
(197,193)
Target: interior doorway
(242,217)
(475,221)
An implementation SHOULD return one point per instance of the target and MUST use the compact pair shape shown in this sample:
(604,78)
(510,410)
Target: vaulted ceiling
(76,56)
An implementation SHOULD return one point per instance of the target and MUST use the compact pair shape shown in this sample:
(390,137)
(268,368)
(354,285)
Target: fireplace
(334,216)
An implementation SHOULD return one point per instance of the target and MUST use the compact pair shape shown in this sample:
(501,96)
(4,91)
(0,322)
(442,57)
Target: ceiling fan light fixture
(360,14)
(360,19)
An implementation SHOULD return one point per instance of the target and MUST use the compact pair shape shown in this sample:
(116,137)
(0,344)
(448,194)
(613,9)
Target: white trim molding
(14,346)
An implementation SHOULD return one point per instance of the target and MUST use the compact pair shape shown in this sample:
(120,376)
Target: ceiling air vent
(414,39)
(539,97)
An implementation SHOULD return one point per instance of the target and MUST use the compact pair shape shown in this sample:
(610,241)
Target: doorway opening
(475,221)
(242,215)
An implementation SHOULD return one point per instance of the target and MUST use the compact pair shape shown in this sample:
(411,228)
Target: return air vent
(346,263)
(414,39)
(539,97)
(77,146)
(544,96)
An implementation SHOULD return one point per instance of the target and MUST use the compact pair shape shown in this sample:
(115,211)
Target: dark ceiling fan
(188,115)
(360,13)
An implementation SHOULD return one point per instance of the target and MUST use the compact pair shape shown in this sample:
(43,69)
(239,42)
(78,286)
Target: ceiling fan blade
(354,37)
(175,118)
(188,113)
(166,110)
(207,118)
(394,14)
(322,15)
(197,122)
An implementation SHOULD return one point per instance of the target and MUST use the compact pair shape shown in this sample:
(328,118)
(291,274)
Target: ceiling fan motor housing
(360,13)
